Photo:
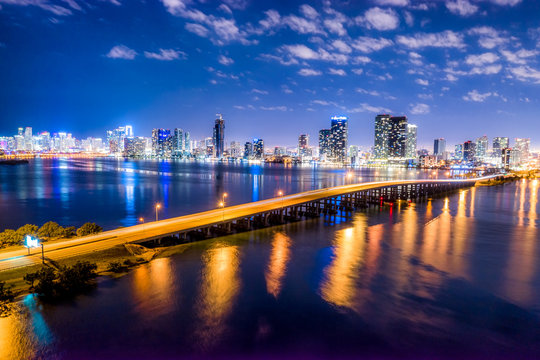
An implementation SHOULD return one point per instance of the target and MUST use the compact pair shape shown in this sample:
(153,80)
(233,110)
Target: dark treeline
(49,230)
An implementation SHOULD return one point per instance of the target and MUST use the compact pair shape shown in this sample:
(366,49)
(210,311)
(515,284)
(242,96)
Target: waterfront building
(382,133)
(500,143)
(522,145)
(236,149)
(324,143)
(338,138)
(161,143)
(439,147)
(258,149)
(458,152)
(481,147)
(134,146)
(248,150)
(280,151)
(115,138)
(218,138)
(178,143)
(410,142)
(303,145)
(28,146)
(511,158)
(469,151)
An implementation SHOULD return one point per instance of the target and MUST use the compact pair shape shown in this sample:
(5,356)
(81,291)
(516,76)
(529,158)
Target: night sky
(459,69)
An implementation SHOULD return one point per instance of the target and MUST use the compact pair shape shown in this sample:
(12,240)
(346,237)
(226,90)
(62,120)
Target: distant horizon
(457,69)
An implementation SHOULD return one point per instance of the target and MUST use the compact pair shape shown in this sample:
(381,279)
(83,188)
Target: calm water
(118,192)
(455,277)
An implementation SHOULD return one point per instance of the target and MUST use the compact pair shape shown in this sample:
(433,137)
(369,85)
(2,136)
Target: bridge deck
(162,228)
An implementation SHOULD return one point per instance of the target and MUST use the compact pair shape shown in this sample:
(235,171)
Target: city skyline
(451,67)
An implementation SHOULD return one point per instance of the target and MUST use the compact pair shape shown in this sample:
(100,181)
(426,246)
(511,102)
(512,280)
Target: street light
(222,205)
(158,206)
(349,175)
(280,193)
(141,220)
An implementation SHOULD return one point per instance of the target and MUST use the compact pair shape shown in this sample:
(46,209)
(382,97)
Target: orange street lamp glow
(158,206)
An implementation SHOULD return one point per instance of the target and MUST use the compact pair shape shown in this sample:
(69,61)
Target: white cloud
(302,25)
(224,60)
(475,96)
(461,7)
(257,91)
(339,72)
(303,52)
(486,70)
(324,103)
(286,89)
(392,2)
(271,20)
(368,44)
(236,4)
(409,18)
(369,108)
(519,57)
(422,82)
(335,27)
(308,12)
(505,2)
(273,108)
(197,29)
(361,60)
(380,19)
(445,39)
(489,38)
(482,59)
(358,71)
(368,92)
(342,46)
(121,52)
(165,55)
(526,73)
(225,9)
(309,72)
(419,109)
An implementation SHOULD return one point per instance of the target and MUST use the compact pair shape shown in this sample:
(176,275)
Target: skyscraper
(338,140)
(482,147)
(178,143)
(219,136)
(410,148)
(439,147)
(469,151)
(500,143)
(258,149)
(303,145)
(248,150)
(28,145)
(324,143)
(522,145)
(382,132)
(161,143)
(398,137)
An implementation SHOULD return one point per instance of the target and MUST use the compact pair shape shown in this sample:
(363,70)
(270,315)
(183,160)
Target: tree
(24,230)
(68,232)
(46,282)
(7,238)
(89,228)
(5,292)
(50,229)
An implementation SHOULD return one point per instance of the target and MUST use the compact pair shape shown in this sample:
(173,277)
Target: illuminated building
(219,137)
(161,143)
(382,133)
(500,143)
(523,145)
(236,149)
(338,139)
(410,142)
(398,137)
(178,143)
(134,146)
(324,142)
(258,149)
(28,145)
(481,147)
(115,138)
(469,151)
(303,145)
(248,150)
(511,158)
(439,147)
(458,152)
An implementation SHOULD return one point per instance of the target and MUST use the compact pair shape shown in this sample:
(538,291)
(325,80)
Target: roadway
(147,231)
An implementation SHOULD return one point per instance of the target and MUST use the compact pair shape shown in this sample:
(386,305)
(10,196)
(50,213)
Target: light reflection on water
(455,273)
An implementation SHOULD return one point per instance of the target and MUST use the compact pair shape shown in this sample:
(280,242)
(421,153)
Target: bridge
(334,201)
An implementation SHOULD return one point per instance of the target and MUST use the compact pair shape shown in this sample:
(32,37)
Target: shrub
(24,230)
(5,292)
(89,228)
(7,238)
(116,267)
(69,232)
(50,229)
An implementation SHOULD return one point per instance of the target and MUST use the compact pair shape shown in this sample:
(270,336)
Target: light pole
(280,193)
(158,206)
(222,205)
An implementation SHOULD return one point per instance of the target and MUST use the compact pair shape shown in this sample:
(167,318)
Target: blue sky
(459,69)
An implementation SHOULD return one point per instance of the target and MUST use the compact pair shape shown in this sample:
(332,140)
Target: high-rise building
(248,150)
(303,145)
(469,151)
(28,144)
(219,137)
(382,132)
(161,143)
(115,138)
(236,149)
(481,147)
(500,143)
(439,147)
(178,143)
(511,158)
(398,137)
(134,146)
(338,139)
(458,152)
(324,143)
(523,145)
(410,143)
(258,149)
